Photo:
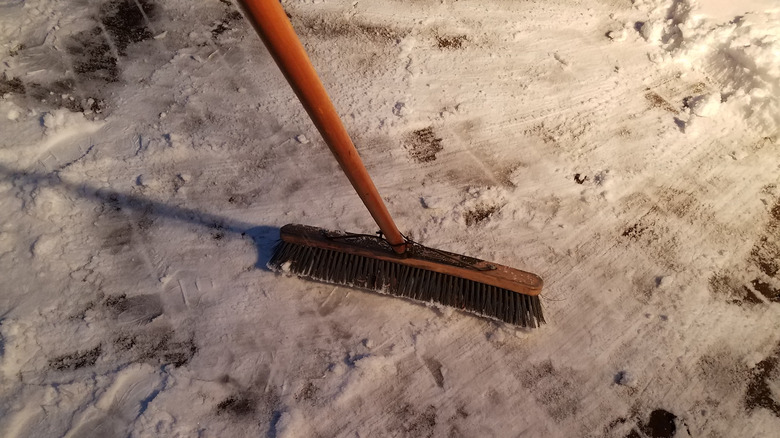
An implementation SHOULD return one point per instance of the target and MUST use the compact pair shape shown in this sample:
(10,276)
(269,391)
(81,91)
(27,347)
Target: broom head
(421,273)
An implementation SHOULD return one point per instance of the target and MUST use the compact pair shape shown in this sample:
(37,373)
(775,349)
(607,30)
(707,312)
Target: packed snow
(625,151)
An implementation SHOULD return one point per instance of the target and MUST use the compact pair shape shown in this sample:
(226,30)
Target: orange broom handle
(271,23)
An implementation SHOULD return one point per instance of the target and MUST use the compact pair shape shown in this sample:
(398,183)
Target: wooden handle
(276,31)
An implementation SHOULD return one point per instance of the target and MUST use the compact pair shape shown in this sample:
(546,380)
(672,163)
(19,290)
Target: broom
(387,262)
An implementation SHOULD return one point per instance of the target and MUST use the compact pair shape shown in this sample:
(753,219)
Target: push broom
(387,262)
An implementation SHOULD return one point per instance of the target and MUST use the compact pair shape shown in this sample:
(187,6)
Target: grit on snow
(625,151)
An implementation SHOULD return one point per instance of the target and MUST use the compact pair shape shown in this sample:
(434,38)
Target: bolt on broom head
(422,273)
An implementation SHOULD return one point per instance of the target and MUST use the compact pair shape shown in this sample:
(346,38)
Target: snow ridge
(741,55)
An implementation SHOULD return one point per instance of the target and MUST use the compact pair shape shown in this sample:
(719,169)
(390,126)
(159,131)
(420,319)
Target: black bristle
(503,306)
(416,288)
(427,292)
(323,267)
(360,280)
(477,296)
(338,270)
(283,251)
(437,288)
(371,274)
(390,280)
(480,295)
(422,291)
(491,300)
(332,267)
(275,253)
(485,293)
(349,265)
(523,311)
(511,308)
(472,295)
(538,309)
(360,275)
(306,259)
(355,270)
(466,294)
(481,298)
(416,292)
(294,255)
(449,285)
(387,268)
(406,280)
(460,303)
(506,303)
(318,260)
(350,269)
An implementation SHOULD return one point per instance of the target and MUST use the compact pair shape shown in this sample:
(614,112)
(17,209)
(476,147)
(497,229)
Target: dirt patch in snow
(127,21)
(255,402)
(58,94)
(76,360)
(725,286)
(766,252)
(661,424)
(13,85)
(759,390)
(434,366)
(552,386)
(122,23)
(450,42)
(762,262)
(480,213)
(423,145)
(656,101)
(228,22)
(413,422)
(333,27)
(157,346)
(237,405)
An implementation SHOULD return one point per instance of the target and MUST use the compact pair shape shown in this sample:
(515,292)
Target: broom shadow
(264,237)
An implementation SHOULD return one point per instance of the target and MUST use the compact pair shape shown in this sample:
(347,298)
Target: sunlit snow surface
(728,9)
(626,151)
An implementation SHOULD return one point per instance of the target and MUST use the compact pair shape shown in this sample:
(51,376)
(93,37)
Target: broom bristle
(336,267)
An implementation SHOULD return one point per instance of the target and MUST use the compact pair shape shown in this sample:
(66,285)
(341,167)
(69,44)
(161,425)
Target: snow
(706,105)
(727,9)
(625,378)
(626,151)
(740,53)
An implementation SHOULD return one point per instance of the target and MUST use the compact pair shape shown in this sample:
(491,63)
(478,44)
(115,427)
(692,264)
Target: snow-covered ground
(625,151)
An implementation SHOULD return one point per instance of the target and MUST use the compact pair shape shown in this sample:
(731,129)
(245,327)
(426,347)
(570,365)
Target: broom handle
(271,23)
